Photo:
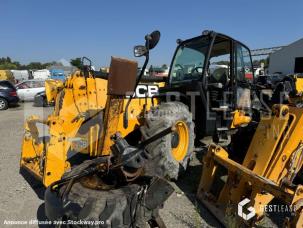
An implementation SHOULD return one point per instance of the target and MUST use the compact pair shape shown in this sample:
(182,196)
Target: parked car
(40,100)
(8,94)
(28,89)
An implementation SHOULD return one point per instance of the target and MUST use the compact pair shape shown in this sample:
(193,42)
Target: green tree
(164,66)
(265,61)
(35,66)
(256,63)
(76,62)
(8,66)
(6,63)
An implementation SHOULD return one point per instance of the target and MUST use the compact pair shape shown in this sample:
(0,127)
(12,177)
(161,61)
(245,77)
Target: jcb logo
(143,91)
(251,210)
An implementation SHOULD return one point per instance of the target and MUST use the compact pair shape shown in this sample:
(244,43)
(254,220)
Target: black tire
(3,104)
(114,208)
(121,207)
(159,118)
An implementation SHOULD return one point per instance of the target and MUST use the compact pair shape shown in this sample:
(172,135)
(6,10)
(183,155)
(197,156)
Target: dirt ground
(21,196)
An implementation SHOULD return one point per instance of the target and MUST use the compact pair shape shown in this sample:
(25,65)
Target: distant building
(21,75)
(288,60)
(67,69)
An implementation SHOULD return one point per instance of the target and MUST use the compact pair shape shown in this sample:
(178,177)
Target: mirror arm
(143,69)
(125,114)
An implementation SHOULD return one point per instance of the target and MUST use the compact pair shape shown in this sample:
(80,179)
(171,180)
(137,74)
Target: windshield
(189,60)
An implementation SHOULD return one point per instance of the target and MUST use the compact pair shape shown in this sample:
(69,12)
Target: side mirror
(152,39)
(140,50)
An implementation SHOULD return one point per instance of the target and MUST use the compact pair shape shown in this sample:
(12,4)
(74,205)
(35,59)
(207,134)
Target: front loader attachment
(241,193)
(46,157)
(74,128)
(33,147)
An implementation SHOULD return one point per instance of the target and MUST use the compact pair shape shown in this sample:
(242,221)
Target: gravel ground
(21,197)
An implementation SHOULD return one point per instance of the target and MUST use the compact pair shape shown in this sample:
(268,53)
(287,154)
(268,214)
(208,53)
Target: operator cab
(213,74)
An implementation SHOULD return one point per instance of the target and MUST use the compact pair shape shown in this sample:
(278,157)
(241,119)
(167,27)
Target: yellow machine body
(273,159)
(299,83)
(52,88)
(7,75)
(239,119)
(81,98)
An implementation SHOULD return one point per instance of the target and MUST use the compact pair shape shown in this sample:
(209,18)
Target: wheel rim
(179,150)
(2,104)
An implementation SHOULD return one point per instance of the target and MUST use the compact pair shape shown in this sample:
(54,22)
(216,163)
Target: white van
(41,74)
(20,75)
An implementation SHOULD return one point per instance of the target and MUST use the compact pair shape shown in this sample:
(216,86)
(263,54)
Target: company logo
(143,91)
(251,210)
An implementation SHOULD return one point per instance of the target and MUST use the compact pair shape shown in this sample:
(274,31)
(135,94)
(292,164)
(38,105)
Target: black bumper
(13,100)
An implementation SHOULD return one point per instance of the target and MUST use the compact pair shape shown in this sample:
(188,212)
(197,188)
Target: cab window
(219,63)
(218,73)
(189,60)
(244,69)
(244,77)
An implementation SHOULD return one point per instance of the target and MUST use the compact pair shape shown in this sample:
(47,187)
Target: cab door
(244,77)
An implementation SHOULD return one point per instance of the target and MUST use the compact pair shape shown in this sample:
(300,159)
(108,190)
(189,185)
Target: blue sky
(36,30)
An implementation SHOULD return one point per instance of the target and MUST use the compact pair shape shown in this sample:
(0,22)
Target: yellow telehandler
(111,125)
(114,141)
(83,120)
